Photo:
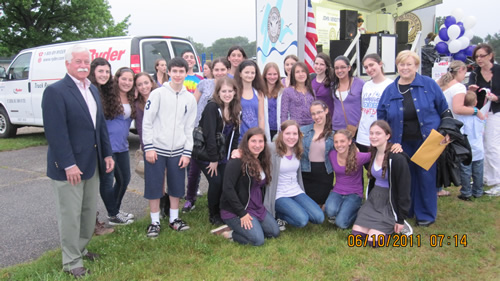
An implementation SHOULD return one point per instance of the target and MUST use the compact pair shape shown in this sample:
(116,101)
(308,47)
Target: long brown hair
(249,161)
(327,130)
(106,88)
(140,98)
(351,161)
(165,75)
(234,105)
(114,105)
(257,83)
(281,148)
(387,130)
(277,86)
(293,81)
(329,73)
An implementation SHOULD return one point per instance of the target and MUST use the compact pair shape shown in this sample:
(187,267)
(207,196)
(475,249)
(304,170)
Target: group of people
(273,145)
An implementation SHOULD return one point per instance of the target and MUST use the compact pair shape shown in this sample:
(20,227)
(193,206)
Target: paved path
(28,223)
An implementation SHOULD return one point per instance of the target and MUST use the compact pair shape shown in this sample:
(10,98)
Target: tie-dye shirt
(191,82)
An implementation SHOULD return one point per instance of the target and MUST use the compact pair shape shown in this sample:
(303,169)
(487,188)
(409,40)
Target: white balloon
(469,33)
(469,22)
(457,13)
(442,26)
(464,41)
(453,31)
(437,39)
(454,46)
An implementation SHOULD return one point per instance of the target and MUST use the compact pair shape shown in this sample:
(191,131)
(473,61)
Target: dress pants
(76,209)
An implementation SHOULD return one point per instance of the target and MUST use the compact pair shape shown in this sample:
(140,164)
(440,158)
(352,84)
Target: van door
(16,91)
(179,46)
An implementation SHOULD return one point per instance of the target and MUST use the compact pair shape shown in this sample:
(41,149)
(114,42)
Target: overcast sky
(208,20)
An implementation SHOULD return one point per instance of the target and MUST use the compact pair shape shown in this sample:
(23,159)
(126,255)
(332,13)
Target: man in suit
(79,149)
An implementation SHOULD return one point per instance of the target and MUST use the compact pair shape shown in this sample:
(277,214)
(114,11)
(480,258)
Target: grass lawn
(316,252)
(23,141)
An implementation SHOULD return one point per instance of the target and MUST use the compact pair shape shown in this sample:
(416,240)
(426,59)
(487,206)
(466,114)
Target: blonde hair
(455,66)
(406,54)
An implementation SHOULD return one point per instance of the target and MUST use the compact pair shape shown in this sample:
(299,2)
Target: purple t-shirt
(352,105)
(379,180)
(351,183)
(295,106)
(255,207)
(323,93)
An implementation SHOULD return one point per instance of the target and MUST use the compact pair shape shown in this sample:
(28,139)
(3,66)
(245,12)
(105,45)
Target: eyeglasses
(340,67)
(317,113)
(481,56)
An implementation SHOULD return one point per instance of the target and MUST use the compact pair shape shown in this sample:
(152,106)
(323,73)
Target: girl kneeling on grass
(388,193)
(243,186)
(285,197)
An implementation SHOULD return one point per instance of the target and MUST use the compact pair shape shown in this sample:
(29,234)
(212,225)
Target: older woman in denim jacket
(317,171)
(412,106)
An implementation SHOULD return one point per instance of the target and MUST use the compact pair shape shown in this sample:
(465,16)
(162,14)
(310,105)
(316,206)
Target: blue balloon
(462,28)
(443,34)
(449,20)
(470,50)
(460,56)
(442,48)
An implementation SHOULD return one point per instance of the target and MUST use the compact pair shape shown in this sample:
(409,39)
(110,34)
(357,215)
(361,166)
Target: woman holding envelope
(412,106)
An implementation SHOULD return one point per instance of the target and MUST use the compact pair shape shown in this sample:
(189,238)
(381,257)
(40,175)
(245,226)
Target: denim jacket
(429,102)
(305,164)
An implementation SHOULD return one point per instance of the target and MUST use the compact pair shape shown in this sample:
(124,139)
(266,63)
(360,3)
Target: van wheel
(7,130)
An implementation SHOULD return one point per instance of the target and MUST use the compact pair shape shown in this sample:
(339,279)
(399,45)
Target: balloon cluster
(455,35)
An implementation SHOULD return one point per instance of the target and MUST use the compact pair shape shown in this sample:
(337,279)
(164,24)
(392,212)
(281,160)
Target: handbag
(199,144)
(350,128)
(139,162)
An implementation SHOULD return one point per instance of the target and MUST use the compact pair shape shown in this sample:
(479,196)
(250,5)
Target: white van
(32,70)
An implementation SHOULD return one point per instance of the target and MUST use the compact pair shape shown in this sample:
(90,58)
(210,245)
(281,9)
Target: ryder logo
(110,54)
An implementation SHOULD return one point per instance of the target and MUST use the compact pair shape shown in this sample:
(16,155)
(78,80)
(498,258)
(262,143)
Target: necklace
(404,91)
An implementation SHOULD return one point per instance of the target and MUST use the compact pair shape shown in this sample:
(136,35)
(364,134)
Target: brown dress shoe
(91,256)
(101,229)
(78,272)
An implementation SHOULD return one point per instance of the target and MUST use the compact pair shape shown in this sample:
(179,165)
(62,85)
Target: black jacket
(476,78)
(399,177)
(236,189)
(458,151)
(211,122)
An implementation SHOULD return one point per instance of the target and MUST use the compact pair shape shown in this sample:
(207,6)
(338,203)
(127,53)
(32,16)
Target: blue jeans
(474,170)
(343,207)
(299,210)
(268,228)
(112,195)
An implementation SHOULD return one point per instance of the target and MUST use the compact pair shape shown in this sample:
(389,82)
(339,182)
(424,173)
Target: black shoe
(216,220)
(463,197)
(424,223)
(165,206)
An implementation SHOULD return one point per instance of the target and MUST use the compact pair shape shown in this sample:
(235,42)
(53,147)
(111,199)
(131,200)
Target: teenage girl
(160,75)
(372,91)
(220,115)
(241,205)
(207,70)
(119,110)
(204,92)
(347,95)
(272,97)
(317,171)
(289,61)
(235,56)
(285,197)
(144,85)
(322,81)
(388,193)
(250,83)
(297,98)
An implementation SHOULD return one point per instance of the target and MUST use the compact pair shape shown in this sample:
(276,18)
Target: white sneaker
(282,224)
(495,191)
(407,230)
